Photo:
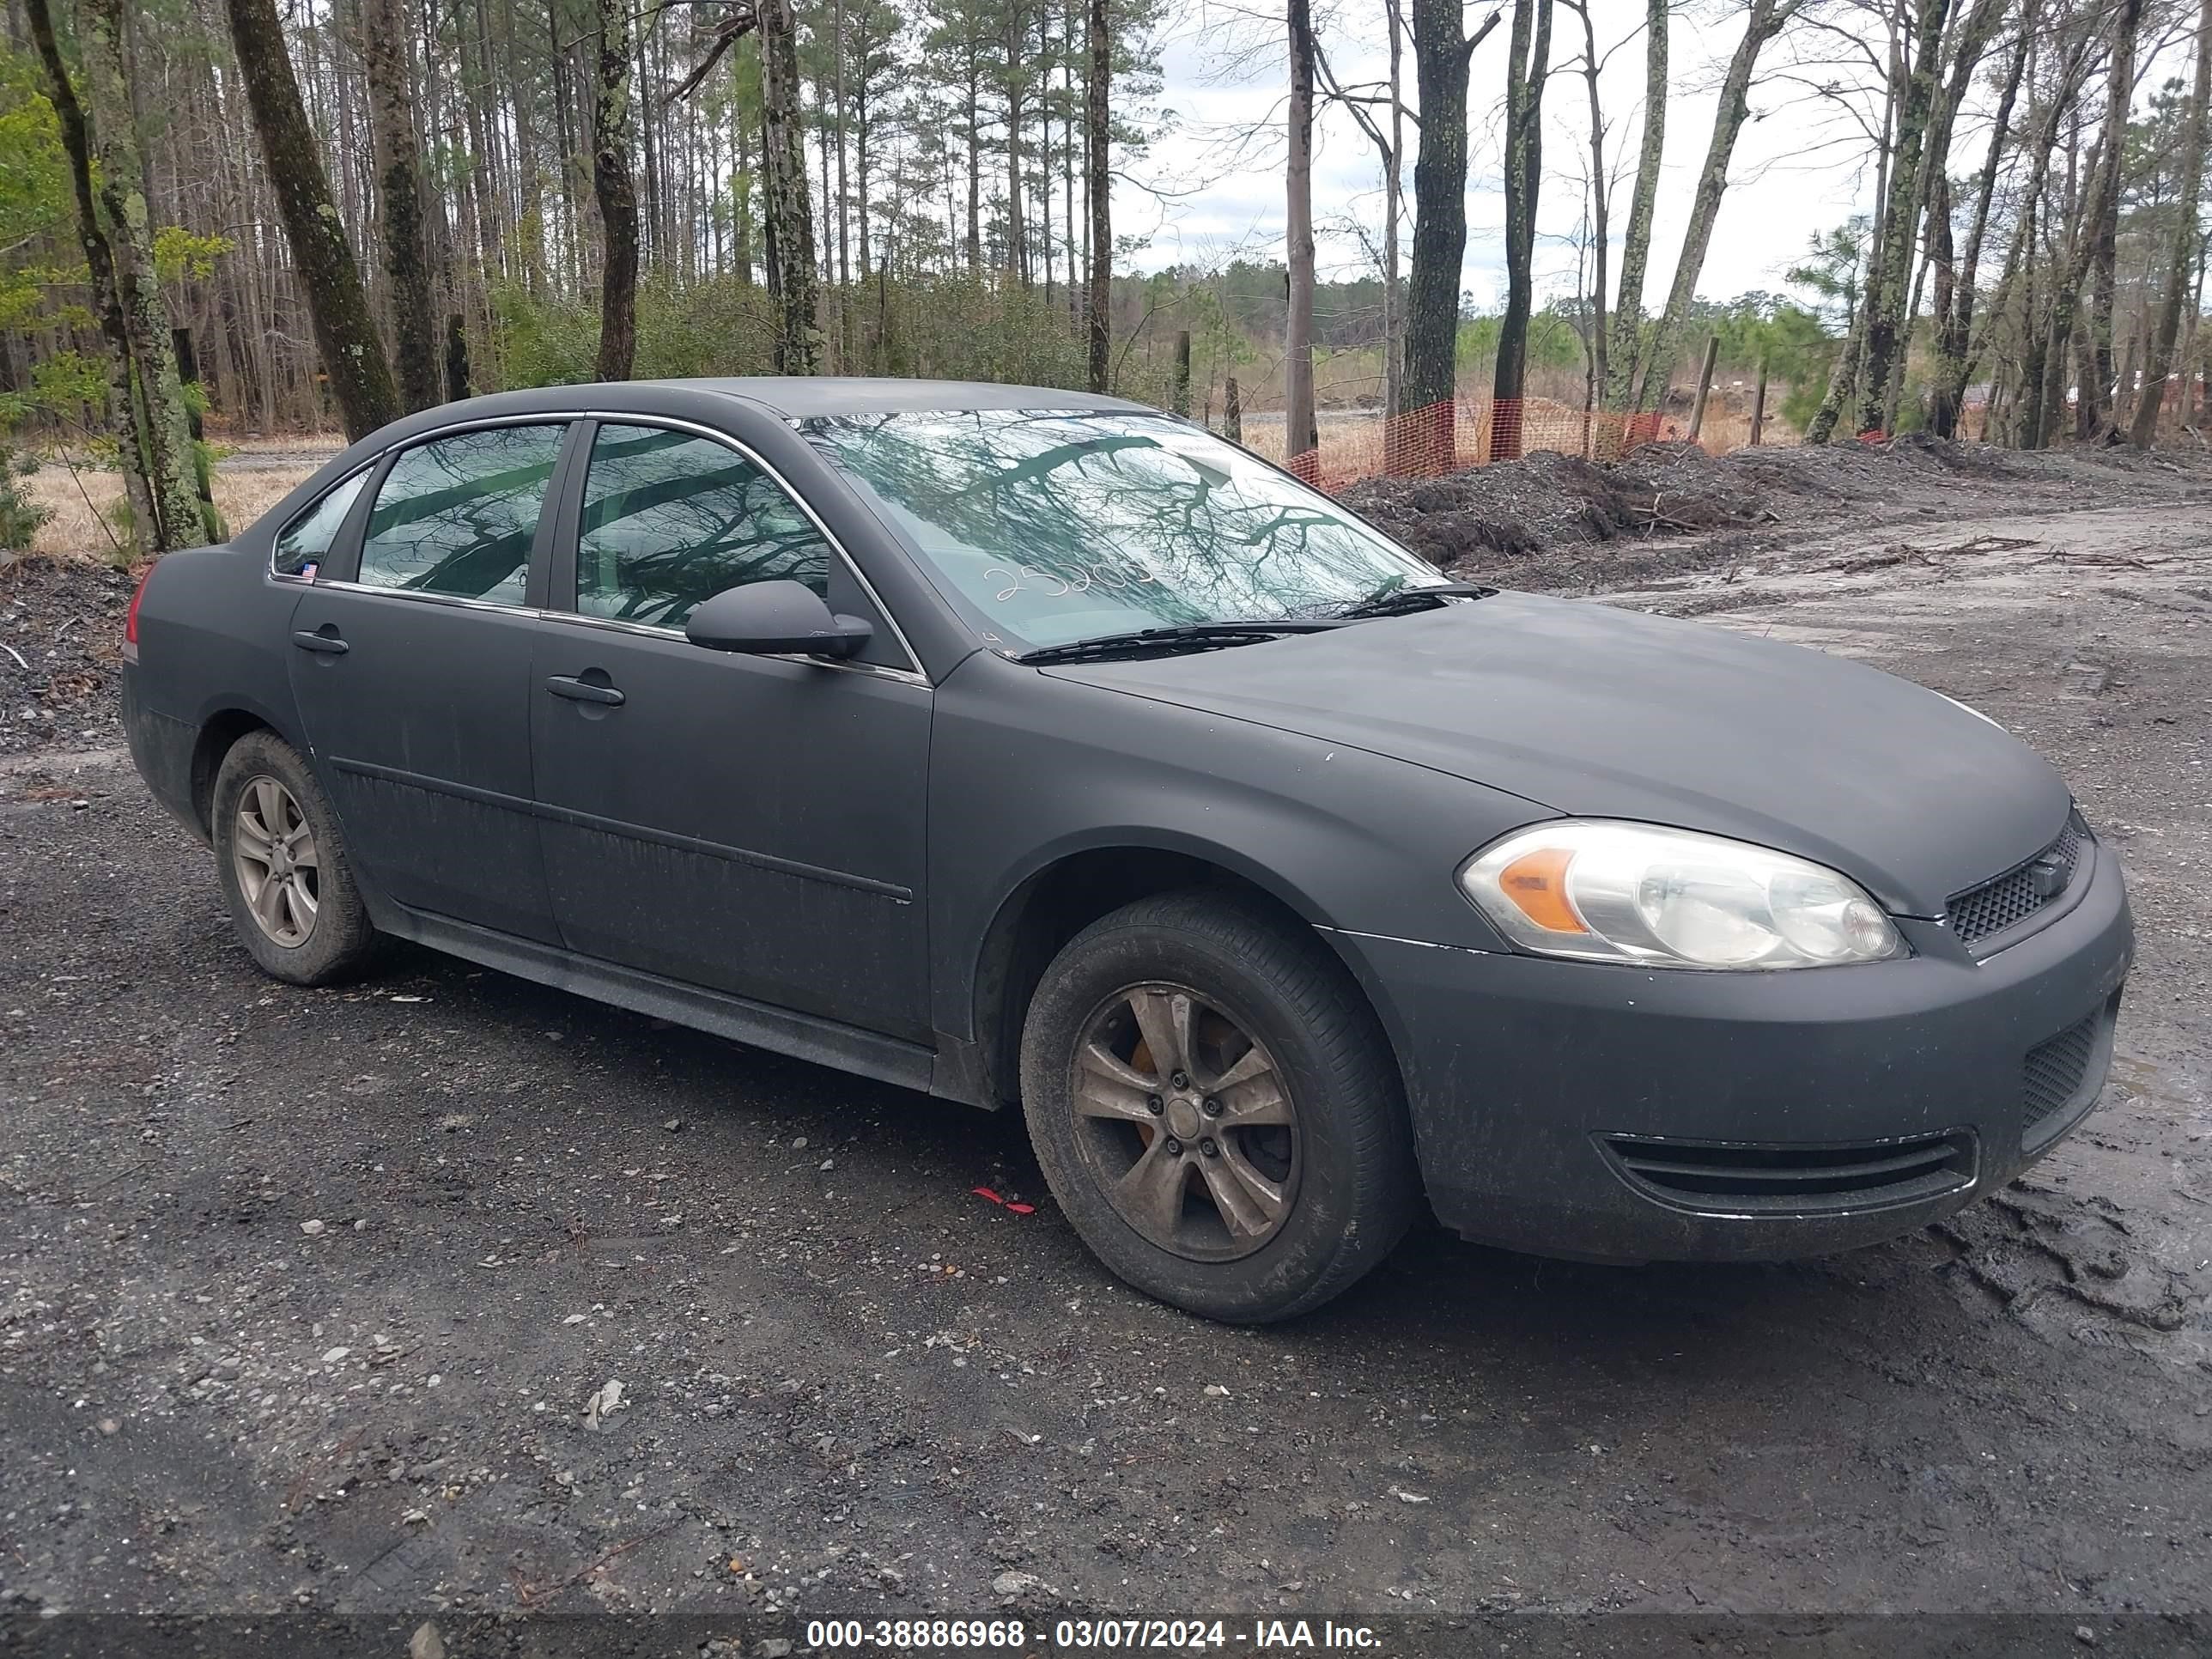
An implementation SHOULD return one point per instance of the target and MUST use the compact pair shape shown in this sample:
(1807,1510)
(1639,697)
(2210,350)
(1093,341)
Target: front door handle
(576,691)
(329,644)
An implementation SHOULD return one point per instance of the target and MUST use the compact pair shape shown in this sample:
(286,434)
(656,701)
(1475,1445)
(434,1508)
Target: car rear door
(412,667)
(754,825)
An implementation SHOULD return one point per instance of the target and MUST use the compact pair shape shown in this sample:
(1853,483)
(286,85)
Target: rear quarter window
(307,539)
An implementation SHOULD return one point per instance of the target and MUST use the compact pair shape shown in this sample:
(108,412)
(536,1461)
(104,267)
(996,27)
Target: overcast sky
(1798,168)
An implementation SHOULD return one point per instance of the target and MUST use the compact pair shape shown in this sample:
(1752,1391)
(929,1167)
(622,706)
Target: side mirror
(775,619)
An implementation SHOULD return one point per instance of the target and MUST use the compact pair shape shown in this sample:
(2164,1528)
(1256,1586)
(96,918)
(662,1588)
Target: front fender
(1028,769)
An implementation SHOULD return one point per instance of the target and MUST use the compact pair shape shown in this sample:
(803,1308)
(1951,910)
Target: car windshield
(1056,527)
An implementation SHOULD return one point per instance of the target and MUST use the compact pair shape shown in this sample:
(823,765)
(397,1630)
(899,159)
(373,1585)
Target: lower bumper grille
(1726,1179)
(2062,1076)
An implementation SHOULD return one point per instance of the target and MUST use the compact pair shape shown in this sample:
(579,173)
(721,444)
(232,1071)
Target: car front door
(411,665)
(751,824)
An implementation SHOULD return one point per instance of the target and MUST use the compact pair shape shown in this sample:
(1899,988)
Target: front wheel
(1216,1109)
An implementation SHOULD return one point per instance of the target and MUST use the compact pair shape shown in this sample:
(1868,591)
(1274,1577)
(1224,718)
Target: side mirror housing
(781,618)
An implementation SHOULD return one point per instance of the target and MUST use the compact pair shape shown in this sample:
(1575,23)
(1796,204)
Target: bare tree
(1763,21)
(165,423)
(1623,366)
(2183,247)
(386,30)
(1099,185)
(792,275)
(2100,190)
(615,189)
(122,422)
(1887,281)
(1955,281)
(1527,63)
(1441,49)
(345,332)
(1301,432)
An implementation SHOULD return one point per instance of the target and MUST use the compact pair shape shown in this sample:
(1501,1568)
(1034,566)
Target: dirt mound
(1549,500)
(61,641)
(1496,519)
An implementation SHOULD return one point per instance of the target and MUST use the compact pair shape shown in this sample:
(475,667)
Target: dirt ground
(304,1295)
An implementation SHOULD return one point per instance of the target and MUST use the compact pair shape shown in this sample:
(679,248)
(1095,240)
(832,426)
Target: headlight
(1672,898)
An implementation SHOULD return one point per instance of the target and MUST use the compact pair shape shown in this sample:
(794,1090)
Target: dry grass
(78,501)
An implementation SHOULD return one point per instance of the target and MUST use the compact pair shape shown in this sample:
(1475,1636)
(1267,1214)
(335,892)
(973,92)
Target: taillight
(130,619)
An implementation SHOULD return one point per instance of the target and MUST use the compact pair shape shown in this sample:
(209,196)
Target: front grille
(1996,906)
(1729,1179)
(2062,1076)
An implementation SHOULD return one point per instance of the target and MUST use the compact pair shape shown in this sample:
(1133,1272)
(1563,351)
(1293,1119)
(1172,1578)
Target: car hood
(1598,712)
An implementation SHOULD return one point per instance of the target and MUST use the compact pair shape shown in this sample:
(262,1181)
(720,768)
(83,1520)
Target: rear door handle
(576,691)
(329,644)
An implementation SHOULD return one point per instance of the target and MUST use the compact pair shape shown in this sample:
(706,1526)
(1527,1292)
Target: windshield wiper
(1194,636)
(1399,600)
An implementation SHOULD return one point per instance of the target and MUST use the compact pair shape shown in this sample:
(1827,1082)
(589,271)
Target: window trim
(536,562)
(353,533)
(570,532)
(365,472)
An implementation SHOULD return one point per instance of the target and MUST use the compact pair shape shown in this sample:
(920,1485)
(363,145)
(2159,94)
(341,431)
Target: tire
(1256,1007)
(320,935)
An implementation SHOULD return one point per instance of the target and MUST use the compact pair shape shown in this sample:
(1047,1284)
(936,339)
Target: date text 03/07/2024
(1085,1635)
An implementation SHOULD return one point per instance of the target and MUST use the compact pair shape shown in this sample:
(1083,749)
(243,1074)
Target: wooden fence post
(1758,402)
(1182,375)
(1705,384)
(1232,413)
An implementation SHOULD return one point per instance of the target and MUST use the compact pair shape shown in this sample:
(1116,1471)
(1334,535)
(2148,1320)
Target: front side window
(1054,526)
(671,520)
(306,540)
(456,515)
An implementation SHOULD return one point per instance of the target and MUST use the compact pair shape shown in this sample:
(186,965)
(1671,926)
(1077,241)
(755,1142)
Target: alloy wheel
(279,869)
(1187,1124)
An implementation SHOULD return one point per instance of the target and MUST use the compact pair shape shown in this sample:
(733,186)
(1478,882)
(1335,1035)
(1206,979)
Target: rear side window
(671,520)
(306,540)
(456,515)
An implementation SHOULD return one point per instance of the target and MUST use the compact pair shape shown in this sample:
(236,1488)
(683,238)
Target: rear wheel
(282,860)
(1216,1109)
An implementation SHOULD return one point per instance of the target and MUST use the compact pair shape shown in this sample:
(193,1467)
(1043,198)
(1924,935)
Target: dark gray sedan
(1029,748)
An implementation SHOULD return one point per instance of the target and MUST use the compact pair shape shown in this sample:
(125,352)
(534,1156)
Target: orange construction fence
(1446,437)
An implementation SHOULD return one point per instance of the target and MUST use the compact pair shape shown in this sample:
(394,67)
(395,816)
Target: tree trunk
(1623,354)
(2102,187)
(792,273)
(1394,184)
(2181,256)
(1441,51)
(99,261)
(1527,62)
(1098,183)
(1301,430)
(1955,293)
(615,193)
(1601,235)
(345,331)
(1890,278)
(120,194)
(384,56)
(1765,19)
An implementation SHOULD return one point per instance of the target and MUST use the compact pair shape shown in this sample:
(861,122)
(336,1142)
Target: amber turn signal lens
(1537,884)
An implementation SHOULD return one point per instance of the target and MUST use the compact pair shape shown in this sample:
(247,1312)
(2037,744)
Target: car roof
(794,396)
(797,397)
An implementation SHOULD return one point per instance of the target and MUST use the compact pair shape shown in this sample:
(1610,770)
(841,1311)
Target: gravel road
(305,1296)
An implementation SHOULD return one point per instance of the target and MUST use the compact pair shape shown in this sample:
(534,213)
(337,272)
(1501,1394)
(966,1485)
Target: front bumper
(1614,1114)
